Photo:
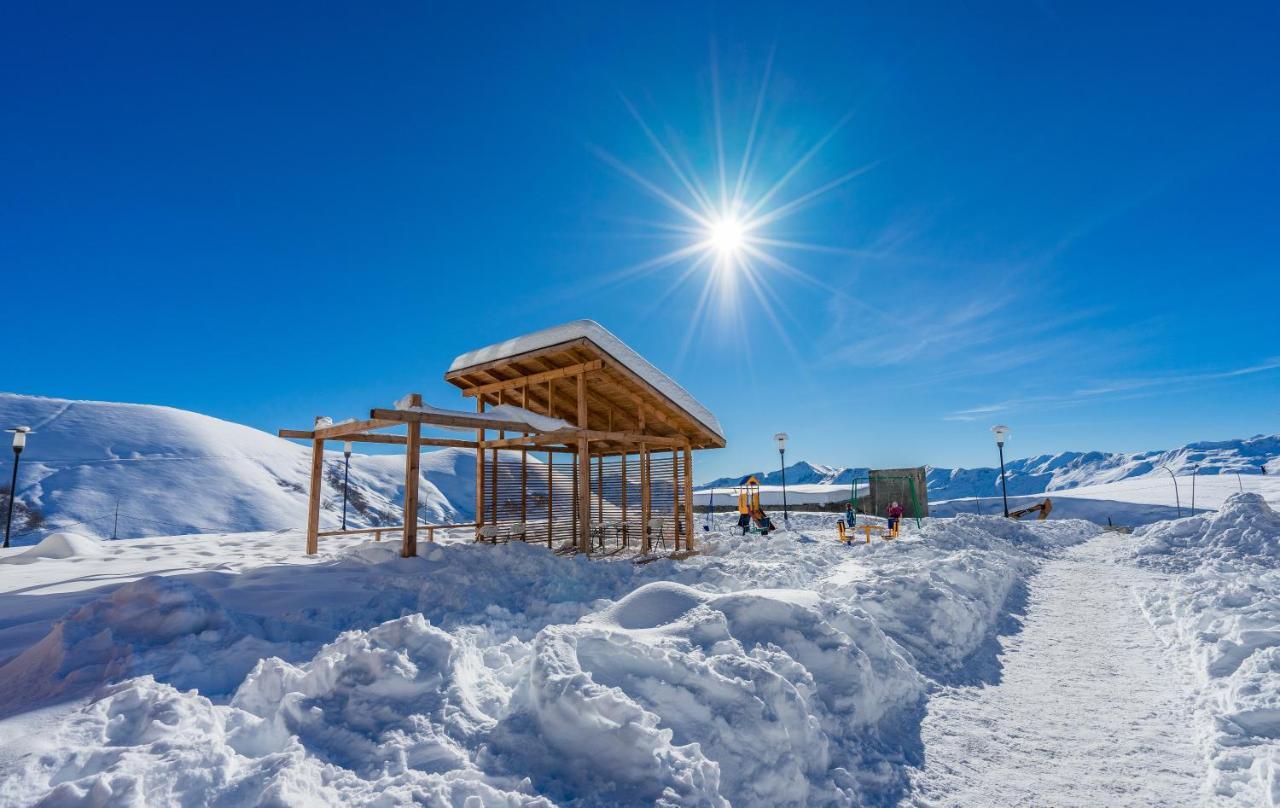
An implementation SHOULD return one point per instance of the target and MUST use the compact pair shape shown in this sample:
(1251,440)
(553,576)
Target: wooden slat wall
(609,488)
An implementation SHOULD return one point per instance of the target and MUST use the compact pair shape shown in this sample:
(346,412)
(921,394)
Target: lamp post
(1002,432)
(1177,498)
(346,475)
(19,443)
(781,440)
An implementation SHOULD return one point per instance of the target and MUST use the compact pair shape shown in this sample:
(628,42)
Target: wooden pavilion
(580,443)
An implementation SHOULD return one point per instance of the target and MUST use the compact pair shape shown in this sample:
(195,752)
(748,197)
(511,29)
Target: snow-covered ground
(974,661)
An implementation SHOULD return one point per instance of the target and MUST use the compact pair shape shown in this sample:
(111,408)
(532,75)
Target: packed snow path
(1089,708)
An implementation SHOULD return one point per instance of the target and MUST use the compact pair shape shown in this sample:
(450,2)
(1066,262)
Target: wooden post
(313,497)
(551,493)
(688,497)
(479,471)
(675,498)
(645,500)
(412,458)
(584,471)
(524,468)
(600,486)
(645,511)
(624,495)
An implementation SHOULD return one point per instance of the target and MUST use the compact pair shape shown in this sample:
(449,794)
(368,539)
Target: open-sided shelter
(579,442)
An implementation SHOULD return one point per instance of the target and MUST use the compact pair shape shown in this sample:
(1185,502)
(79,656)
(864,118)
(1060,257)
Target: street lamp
(19,443)
(1002,432)
(346,475)
(1177,498)
(781,440)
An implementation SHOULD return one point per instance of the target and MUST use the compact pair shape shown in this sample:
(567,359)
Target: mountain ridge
(1055,472)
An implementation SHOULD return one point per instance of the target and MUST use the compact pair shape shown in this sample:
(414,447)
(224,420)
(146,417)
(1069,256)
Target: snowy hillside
(172,471)
(1066,470)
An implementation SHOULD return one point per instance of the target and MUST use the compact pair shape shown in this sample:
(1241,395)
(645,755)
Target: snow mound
(1245,529)
(1222,607)
(59,546)
(161,625)
(784,671)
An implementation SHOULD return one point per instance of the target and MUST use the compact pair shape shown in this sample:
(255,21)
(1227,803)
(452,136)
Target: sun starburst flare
(727,230)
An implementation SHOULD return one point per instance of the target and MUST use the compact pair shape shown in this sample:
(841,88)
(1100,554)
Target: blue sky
(1063,216)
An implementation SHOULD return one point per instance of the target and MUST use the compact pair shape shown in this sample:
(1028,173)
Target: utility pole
(116,523)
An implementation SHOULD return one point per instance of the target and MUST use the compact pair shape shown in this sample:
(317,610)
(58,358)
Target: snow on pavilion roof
(573,336)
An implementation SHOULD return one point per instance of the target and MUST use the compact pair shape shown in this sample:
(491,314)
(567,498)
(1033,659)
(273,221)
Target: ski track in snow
(1089,708)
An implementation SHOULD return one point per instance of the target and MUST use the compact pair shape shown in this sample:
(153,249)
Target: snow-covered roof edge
(607,342)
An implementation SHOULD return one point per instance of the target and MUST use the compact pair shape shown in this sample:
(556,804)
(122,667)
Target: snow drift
(1223,609)
(58,546)
(787,671)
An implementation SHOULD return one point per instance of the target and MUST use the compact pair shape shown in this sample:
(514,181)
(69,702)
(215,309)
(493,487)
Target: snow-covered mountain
(1033,475)
(170,471)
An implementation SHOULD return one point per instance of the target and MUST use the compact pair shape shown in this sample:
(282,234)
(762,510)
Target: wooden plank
(340,431)
(523,381)
(390,440)
(313,497)
(443,419)
(584,470)
(688,497)
(524,467)
(644,482)
(624,499)
(675,499)
(584,496)
(457,376)
(479,469)
(412,458)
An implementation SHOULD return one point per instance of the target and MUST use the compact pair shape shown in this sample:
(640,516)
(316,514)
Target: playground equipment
(848,533)
(1044,508)
(748,489)
(750,515)
(905,485)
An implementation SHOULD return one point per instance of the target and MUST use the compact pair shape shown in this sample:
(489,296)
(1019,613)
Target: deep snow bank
(59,546)
(1223,607)
(782,671)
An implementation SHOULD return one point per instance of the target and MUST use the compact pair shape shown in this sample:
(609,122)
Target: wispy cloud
(1137,387)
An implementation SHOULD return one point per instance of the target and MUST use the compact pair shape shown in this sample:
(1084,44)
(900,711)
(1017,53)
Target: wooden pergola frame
(611,412)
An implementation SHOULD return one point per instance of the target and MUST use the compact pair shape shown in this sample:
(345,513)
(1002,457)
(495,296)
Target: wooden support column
(412,458)
(584,472)
(624,496)
(313,497)
(675,498)
(645,511)
(524,469)
(479,471)
(688,497)
(551,495)
(493,458)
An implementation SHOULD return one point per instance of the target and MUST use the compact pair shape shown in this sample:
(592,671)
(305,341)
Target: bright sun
(727,236)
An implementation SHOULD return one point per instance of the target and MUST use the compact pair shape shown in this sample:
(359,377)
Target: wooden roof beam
(448,419)
(546,375)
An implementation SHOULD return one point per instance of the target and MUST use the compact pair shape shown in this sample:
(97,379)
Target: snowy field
(792,670)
